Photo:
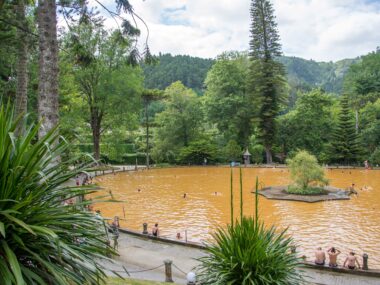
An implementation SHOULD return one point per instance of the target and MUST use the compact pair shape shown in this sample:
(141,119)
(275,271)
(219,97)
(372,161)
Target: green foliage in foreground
(249,253)
(43,241)
(305,171)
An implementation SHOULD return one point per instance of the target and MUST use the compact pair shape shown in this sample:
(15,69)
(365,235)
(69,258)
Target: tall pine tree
(345,142)
(266,80)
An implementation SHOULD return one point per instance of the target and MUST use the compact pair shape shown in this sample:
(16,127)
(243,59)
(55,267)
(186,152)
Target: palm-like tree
(42,239)
(248,252)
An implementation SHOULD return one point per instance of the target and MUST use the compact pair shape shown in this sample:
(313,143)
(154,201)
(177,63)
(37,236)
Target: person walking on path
(115,231)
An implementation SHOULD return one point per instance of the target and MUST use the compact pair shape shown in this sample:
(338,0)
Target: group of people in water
(156,232)
(350,262)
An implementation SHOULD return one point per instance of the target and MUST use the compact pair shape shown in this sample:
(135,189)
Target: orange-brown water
(347,225)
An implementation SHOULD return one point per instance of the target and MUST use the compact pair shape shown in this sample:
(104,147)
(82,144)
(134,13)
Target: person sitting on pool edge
(333,255)
(320,257)
(351,260)
(155,230)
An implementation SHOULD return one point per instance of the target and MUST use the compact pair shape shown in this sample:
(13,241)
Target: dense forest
(202,108)
(314,115)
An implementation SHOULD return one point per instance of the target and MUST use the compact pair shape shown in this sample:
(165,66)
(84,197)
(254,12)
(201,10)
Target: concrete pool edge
(309,265)
(124,168)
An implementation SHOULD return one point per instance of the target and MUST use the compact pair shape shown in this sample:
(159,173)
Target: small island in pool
(309,183)
(328,193)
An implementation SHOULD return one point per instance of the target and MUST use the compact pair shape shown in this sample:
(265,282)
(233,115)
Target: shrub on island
(307,175)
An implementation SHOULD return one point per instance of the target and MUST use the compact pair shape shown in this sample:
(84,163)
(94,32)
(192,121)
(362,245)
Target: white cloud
(318,29)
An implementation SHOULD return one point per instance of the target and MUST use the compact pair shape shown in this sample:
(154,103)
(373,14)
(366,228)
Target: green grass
(118,281)
(308,191)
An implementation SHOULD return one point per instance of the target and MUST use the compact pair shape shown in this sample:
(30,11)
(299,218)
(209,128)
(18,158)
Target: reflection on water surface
(347,225)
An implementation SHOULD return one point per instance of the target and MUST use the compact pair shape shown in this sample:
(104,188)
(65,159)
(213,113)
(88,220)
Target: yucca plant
(247,252)
(43,241)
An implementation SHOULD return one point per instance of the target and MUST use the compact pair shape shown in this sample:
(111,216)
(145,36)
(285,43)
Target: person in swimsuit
(320,257)
(351,260)
(333,255)
(155,230)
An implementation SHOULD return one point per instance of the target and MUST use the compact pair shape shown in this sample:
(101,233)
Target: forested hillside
(305,74)
(191,71)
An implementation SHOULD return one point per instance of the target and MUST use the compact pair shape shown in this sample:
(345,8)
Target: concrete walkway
(144,259)
(140,255)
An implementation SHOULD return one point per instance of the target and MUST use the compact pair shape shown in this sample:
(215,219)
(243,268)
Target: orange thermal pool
(347,225)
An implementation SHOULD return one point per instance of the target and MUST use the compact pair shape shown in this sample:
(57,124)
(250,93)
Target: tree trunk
(147,134)
(356,121)
(95,126)
(48,66)
(268,153)
(96,141)
(22,63)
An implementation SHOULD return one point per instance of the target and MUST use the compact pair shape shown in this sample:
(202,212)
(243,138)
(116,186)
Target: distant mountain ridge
(302,74)
(307,74)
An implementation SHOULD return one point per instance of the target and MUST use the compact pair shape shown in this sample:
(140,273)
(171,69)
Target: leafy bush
(307,191)
(249,253)
(305,170)
(232,151)
(375,157)
(196,152)
(43,241)
(257,152)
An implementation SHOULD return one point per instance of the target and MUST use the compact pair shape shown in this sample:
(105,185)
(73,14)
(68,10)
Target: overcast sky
(322,30)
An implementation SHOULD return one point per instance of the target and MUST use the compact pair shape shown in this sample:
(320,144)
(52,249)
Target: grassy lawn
(118,281)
